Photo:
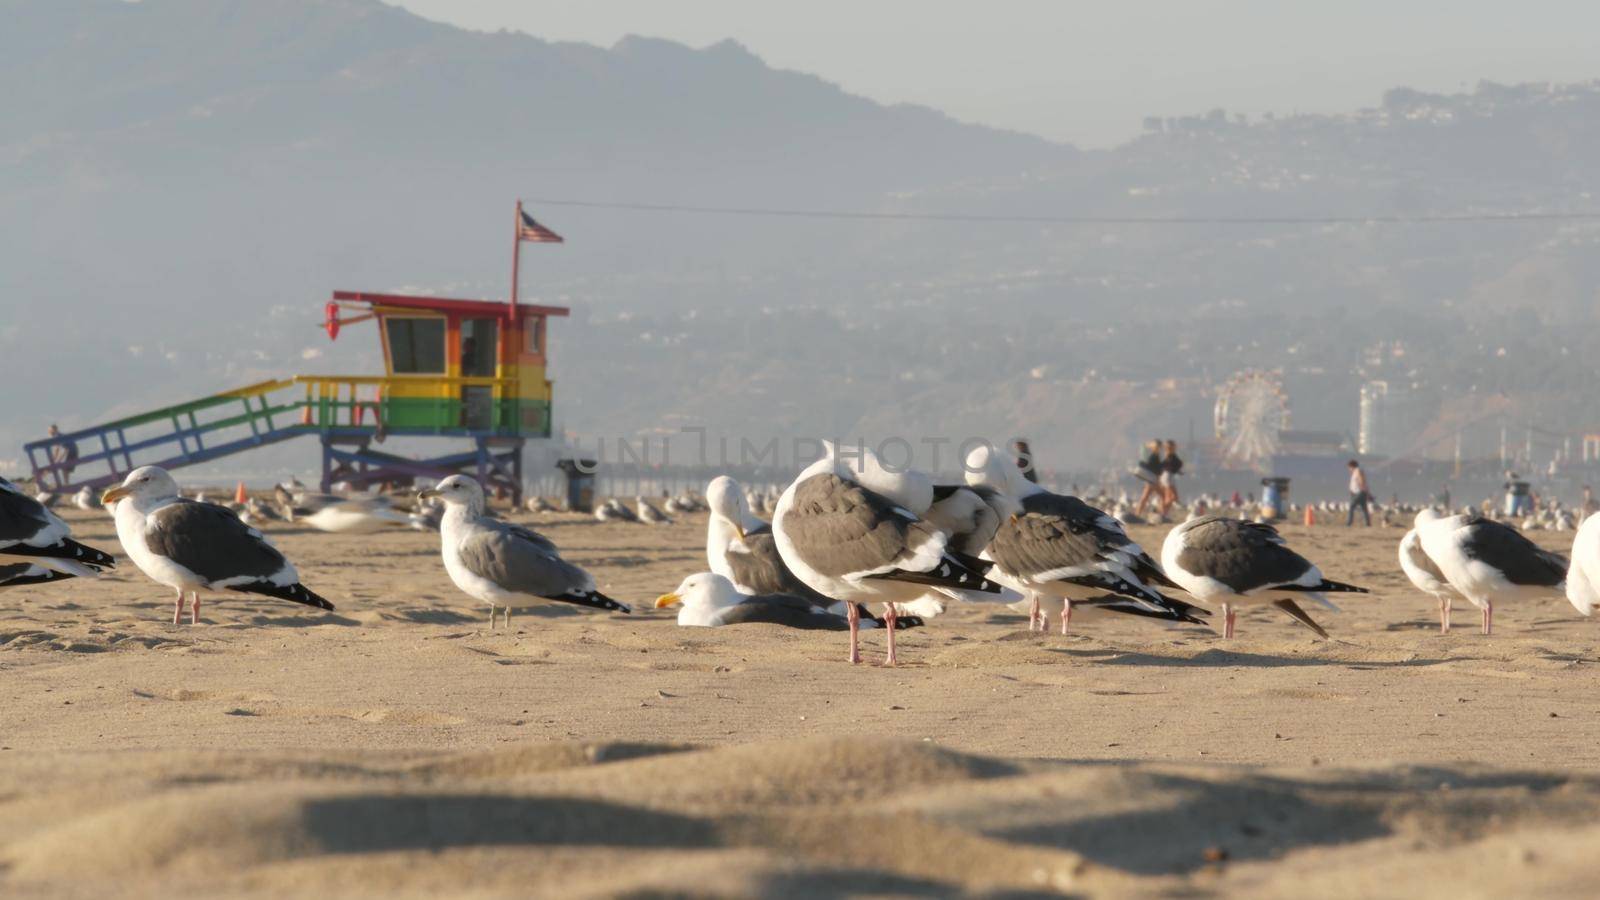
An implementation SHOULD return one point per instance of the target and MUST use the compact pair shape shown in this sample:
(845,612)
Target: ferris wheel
(1252,409)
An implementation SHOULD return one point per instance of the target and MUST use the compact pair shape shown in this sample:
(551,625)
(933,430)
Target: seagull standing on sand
(34,537)
(1235,563)
(707,599)
(1489,561)
(1425,574)
(189,546)
(1583,578)
(504,564)
(1059,546)
(848,532)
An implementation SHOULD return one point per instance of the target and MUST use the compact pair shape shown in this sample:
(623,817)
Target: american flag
(529,230)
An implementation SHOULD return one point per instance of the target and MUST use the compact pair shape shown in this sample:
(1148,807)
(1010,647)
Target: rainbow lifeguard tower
(473,370)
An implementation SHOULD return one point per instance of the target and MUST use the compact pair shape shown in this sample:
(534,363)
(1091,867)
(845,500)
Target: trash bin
(1275,497)
(580,483)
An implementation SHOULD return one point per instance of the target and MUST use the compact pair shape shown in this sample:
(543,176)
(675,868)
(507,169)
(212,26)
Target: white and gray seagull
(846,528)
(191,546)
(502,564)
(1425,574)
(1056,545)
(706,599)
(34,538)
(1232,563)
(1583,577)
(1488,561)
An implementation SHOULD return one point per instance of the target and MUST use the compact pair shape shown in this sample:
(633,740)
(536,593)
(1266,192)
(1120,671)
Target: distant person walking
(1360,496)
(63,453)
(1148,471)
(1171,467)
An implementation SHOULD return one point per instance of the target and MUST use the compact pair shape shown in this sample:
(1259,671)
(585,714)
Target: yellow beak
(428,494)
(113,495)
(666,600)
(740,529)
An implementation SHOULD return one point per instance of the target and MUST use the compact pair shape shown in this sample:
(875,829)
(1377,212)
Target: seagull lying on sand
(1488,561)
(33,535)
(708,599)
(504,564)
(1234,563)
(189,546)
(1055,545)
(358,515)
(649,515)
(846,528)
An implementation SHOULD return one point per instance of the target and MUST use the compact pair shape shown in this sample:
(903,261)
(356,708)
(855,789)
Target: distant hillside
(183,181)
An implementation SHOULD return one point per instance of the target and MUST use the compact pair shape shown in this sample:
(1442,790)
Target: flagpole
(516,257)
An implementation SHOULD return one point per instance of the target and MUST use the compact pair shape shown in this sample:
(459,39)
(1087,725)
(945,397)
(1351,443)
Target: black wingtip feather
(1325,587)
(595,600)
(951,573)
(294,593)
(67,549)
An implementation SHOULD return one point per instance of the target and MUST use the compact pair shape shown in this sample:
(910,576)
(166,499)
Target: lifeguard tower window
(416,345)
(479,341)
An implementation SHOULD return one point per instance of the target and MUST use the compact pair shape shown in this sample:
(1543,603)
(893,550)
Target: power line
(773,212)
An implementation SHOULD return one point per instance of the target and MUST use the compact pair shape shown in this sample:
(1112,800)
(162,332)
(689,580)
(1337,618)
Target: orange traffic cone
(1311,515)
(240,495)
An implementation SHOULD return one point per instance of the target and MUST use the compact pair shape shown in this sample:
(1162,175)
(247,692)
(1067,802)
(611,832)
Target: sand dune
(400,747)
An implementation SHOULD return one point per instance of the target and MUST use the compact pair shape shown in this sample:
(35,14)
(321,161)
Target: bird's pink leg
(1488,616)
(177,609)
(1227,620)
(194,607)
(889,617)
(1444,615)
(1034,615)
(852,614)
(1066,614)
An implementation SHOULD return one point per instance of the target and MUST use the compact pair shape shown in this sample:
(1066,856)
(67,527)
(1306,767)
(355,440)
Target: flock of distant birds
(849,531)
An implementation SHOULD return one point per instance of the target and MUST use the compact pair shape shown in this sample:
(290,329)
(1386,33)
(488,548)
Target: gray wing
(520,532)
(520,565)
(843,529)
(787,610)
(211,542)
(1245,556)
(1507,549)
(1061,538)
(759,568)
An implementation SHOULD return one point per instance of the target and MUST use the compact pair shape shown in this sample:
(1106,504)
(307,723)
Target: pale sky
(1089,72)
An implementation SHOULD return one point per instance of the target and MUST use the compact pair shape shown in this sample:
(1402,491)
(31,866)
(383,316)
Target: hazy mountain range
(182,182)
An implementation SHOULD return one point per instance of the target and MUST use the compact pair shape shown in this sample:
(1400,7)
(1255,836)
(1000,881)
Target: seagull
(1233,563)
(359,515)
(1486,560)
(1425,574)
(707,599)
(742,549)
(84,499)
(1058,546)
(848,532)
(649,514)
(613,511)
(1583,578)
(538,504)
(33,535)
(188,545)
(504,564)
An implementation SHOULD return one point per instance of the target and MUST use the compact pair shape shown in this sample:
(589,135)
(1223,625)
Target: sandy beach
(398,747)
